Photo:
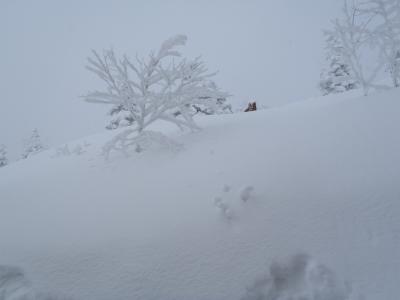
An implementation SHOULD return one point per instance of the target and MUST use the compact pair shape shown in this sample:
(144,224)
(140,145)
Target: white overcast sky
(268,51)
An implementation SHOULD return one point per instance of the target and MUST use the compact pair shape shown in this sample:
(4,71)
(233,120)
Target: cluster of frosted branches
(385,16)
(366,27)
(162,87)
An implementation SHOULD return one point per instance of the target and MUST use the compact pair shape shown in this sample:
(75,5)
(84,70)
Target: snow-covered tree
(3,156)
(33,145)
(162,87)
(370,26)
(355,36)
(385,16)
(336,77)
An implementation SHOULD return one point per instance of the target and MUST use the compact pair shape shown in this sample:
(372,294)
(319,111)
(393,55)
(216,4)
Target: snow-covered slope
(320,177)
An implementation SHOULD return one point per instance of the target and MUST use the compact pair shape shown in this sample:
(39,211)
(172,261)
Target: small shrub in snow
(162,87)
(3,156)
(300,278)
(33,145)
(66,151)
(63,151)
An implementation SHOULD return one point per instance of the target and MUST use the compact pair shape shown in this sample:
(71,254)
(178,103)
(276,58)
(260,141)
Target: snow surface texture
(15,286)
(299,279)
(12,283)
(324,177)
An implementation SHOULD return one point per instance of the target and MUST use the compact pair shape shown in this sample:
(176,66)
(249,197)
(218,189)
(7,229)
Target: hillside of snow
(206,221)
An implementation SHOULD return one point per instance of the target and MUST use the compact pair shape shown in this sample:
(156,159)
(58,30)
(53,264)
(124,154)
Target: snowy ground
(320,177)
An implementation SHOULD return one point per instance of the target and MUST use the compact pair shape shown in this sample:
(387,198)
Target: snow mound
(300,278)
(13,284)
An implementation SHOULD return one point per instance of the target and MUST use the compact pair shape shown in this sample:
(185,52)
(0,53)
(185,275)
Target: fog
(267,51)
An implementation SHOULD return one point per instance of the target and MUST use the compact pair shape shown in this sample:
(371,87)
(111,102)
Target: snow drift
(299,279)
(320,177)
